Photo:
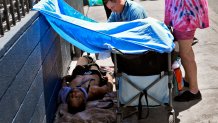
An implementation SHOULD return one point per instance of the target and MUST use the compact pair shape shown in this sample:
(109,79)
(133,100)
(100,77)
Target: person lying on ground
(85,83)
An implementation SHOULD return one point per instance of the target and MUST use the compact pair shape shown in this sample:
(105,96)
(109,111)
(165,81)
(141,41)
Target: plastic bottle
(178,73)
(179,80)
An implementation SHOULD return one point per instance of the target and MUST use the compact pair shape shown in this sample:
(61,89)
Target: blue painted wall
(30,72)
(33,58)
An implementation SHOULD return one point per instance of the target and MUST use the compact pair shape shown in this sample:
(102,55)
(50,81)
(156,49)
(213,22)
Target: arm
(96,92)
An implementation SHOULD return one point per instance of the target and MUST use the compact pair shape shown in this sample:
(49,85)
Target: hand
(96,92)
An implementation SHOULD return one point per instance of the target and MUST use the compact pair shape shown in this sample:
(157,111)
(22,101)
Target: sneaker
(187,96)
(185,83)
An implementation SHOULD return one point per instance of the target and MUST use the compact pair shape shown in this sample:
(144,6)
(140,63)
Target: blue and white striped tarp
(95,37)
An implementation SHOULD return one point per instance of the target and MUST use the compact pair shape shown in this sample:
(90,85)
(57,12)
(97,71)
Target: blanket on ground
(98,111)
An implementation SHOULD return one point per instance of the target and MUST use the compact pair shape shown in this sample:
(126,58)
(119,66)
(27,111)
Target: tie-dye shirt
(186,15)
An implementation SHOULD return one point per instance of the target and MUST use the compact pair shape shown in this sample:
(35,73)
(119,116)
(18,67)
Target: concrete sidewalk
(205,110)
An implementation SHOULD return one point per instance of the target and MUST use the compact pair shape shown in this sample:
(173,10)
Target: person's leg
(84,60)
(189,64)
(185,40)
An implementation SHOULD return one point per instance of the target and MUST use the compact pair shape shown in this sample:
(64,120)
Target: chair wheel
(171,119)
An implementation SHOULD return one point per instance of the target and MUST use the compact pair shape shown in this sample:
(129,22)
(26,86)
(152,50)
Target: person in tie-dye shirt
(185,16)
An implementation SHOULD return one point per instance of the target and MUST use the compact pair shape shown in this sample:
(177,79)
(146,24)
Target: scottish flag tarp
(95,37)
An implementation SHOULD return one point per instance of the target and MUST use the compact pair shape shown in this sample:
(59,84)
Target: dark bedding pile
(98,111)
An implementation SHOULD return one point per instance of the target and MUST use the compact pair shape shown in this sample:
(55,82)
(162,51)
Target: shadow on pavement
(181,106)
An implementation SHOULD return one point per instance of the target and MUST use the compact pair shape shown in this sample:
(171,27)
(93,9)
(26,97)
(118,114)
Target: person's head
(75,98)
(115,5)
